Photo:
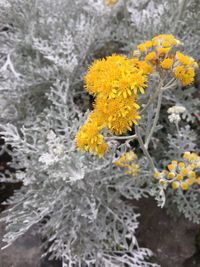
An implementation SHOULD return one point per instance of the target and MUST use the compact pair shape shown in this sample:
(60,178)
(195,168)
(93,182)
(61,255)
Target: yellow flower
(114,81)
(126,161)
(192,174)
(101,149)
(185,60)
(110,2)
(165,40)
(148,44)
(171,175)
(171,167)
(185,75)
(166,44)
(185,71)
(181,165)
(190,181)
(89,139)
(155,42)
(184,171)
(118,114)
(142,48)
(179,177)
(186,155)
(162,52)
(151,56)
(184,186)
(157,174)
(167,63)
(115,76)
(175,185)
(147,69)
(179,72)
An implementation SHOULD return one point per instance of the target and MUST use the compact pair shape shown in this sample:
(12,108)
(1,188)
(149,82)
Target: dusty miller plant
(80,203)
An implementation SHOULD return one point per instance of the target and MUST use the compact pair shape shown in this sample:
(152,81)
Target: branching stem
(7,64)
(145,151)
(153,97)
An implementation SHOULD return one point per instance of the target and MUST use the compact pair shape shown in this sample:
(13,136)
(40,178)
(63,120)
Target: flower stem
(153,97)
(155,120)
(145,151)
(130,137)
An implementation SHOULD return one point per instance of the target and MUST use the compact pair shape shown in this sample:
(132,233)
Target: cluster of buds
(175,112)
(162,55)
(127,162)
(181,174)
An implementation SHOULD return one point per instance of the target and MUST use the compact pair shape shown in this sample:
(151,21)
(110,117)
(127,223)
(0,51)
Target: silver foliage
(80,203)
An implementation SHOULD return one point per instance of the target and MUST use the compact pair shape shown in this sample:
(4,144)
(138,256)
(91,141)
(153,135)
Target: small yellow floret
(167,63)
(142,48)
(190,181)
(163,51)
(179,177)
(101,150)
(192,174)
(170,175)
(151,56)
(156,174)
(184,171)
(184,186)
(186,155)
(148,44)
(110,2)
(181,165)
(166,44)
(175,185)
(171,167)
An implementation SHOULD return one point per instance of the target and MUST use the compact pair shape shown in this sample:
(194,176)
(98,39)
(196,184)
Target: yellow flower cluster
(126,161)
(160,53)
(89,139)
(181,174)
(185,71)
(114,82)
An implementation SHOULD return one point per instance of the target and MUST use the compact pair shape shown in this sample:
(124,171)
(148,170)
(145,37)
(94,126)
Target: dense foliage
(81,202)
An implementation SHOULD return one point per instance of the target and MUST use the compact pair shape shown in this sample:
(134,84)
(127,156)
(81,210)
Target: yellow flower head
(110,2)
(114,81)
(167,63)
(158,51)
(118,114)
(185,75)
(159,54)
(151,56)
(115,76)
(89,139)
(185,70)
